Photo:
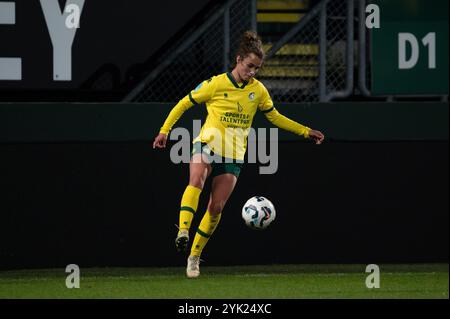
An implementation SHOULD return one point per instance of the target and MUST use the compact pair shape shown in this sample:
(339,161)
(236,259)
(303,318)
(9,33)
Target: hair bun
(250,43)
(251,36)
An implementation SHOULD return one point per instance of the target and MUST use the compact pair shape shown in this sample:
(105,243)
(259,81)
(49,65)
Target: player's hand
(160,141)
(317,136)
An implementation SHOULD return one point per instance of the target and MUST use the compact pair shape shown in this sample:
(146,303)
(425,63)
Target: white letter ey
(61,34)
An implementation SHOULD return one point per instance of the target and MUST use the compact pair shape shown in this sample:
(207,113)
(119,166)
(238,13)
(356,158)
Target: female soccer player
(232,100)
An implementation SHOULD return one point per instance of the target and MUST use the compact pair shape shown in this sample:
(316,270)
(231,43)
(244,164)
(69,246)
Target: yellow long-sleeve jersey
(231,107)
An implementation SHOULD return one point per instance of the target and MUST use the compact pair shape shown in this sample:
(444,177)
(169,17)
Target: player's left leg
(221,189)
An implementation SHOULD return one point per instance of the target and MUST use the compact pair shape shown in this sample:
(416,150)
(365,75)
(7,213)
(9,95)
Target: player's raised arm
(286,123)
(200,94)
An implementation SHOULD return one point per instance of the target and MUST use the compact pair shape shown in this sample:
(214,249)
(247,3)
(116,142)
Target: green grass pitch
(406,281)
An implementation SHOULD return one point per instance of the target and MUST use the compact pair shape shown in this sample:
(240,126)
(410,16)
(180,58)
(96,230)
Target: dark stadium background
(80,182)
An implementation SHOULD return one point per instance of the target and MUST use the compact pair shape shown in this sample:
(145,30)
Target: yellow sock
(189,203)
(206,228)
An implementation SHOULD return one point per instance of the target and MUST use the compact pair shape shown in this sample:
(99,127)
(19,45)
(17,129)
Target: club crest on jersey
(240,108)
(251,96)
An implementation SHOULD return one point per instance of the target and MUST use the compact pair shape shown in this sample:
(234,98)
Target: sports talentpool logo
(234,141)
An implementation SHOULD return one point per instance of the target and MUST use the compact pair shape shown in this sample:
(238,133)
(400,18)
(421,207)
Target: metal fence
(314,61)
(309,63)
(316,55)
(200,54)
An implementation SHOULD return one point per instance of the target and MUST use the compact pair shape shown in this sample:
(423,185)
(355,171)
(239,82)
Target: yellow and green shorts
(220,165)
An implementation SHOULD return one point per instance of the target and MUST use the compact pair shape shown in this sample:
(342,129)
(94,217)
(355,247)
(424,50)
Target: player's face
(248,66)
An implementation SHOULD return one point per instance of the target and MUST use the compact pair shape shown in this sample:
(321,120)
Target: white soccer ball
(258,212)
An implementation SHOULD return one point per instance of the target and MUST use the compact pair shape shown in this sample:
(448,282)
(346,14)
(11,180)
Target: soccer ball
(258,212)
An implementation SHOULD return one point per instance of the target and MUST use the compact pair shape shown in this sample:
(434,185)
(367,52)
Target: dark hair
(250,43)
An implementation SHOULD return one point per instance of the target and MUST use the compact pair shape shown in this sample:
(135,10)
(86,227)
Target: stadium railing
(313,61)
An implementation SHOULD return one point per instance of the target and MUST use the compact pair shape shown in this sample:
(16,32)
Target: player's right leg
(199,170)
